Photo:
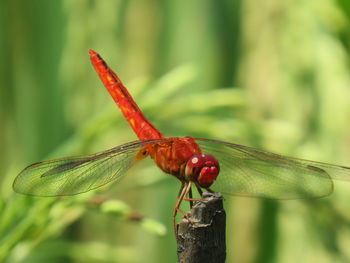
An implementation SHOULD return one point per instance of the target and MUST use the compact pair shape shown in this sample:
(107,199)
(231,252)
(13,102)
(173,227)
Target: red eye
(203,169)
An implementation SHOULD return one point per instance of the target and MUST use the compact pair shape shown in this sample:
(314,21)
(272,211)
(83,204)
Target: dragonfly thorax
(203,169)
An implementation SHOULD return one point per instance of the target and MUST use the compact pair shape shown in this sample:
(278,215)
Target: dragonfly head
(202,168)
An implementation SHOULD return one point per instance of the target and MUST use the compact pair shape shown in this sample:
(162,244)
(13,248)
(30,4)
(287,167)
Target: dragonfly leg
(190,198)
(185,189)
(182,187)
(199,189)
(200,192)
(182,193)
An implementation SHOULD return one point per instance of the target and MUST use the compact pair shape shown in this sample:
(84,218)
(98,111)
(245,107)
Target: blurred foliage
(270,74)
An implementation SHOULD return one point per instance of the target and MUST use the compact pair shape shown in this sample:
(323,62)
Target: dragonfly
(206,164)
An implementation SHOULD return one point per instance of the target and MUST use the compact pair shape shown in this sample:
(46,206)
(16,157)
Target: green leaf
(115,207)
(153,227)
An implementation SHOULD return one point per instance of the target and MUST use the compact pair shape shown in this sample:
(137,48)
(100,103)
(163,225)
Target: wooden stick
(201,234)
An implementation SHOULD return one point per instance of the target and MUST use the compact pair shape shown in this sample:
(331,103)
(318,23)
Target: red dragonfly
(207,164)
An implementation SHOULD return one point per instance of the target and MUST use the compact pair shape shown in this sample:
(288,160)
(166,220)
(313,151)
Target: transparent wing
(250,172)
(74,175)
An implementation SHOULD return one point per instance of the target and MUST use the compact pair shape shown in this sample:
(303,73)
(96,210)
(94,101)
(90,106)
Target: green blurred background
(270,74)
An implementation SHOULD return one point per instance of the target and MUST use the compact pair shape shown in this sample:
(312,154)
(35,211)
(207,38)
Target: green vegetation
(269,74)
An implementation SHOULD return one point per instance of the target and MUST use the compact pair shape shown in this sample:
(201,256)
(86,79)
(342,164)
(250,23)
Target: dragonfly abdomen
(137,120)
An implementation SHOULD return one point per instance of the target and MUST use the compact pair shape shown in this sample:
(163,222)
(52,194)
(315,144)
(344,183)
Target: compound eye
(193,167)
(202,169)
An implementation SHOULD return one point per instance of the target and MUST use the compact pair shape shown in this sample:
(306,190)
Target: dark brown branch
(201,235)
